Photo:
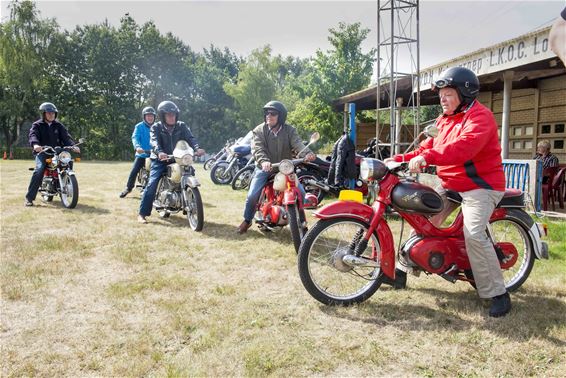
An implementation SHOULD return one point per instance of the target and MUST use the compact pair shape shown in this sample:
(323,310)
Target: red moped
(349,252)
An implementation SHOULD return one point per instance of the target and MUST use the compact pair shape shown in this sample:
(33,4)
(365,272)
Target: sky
(448,29)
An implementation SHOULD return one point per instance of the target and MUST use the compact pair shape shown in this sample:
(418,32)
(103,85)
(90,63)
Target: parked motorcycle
(178,188)
(219,156)
(346,256)
(239,154)
(281,201)
(59,177)
(243,177)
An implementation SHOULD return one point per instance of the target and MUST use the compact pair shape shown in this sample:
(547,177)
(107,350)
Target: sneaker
(125,193)
(500,305)
(141,219)
(243,227)
(28,202)
(400,281)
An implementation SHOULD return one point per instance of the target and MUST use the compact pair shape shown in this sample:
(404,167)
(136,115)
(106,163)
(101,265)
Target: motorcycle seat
(511,198)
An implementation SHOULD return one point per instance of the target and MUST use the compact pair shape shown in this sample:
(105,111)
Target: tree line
(101,76)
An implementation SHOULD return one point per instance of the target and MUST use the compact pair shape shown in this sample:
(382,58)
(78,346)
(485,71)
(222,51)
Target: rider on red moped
(468,160)
(273,141)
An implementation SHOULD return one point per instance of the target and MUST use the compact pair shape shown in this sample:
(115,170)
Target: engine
(277,216)
(436,255)
(170,199)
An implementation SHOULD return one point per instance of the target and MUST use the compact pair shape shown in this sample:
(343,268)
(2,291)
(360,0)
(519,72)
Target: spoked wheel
(323,266)
(209,163)
(243,178)
(319,193)
(220,175)
(69,191)
(194,209)
(509,236)
(296,222)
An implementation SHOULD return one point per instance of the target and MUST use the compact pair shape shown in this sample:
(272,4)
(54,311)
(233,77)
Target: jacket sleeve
(296,143)
(259,149)
(136,137)
(191,138)
(424,146)
(33,136)
(64,136)
(154,139)
(476,133)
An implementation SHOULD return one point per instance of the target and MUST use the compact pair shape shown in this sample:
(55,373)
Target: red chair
(547,192)
(558,188)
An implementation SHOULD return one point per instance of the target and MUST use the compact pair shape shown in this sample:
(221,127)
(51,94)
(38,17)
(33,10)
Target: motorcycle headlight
(372,169)
(65,157)
(187,159)
(280,182)
(286,167)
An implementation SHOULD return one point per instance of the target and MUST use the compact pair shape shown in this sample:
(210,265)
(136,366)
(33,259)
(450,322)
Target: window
(558,144)
(517,131)
(545,129)
(529,130)
(529,145)
(517,145)
(559,128)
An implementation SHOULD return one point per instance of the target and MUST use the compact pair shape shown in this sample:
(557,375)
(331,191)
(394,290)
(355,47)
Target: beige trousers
(477,206)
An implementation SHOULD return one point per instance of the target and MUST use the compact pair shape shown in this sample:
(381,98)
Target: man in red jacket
(468,159)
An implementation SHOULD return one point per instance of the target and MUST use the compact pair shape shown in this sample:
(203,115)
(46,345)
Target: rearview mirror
(314,137)
(431,131)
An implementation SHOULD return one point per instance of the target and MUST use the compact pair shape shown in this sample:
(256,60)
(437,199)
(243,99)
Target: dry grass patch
(90,292)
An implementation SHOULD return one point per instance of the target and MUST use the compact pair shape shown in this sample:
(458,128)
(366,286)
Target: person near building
(468,160)
(273,141)
(47,131)
(543,154)
(164,135)
(557,37)
(140,140)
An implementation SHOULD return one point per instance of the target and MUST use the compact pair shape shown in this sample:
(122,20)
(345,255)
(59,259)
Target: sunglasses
(271,113)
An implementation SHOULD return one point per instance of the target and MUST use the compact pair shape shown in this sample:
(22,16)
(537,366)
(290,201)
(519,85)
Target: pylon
(5,156)
(11,156)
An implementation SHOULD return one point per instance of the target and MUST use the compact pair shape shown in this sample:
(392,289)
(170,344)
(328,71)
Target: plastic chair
(547,192)
(557,188)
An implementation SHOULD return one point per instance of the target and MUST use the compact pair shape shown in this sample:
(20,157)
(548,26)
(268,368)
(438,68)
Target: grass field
(90,292)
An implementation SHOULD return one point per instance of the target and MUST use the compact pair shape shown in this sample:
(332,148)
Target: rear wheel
(194,208)
(315,190)
(243,178)
(69,191)
(296,222)
(324,272)
(143,176)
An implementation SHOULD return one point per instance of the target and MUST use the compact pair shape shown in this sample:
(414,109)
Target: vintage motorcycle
(219,156)
(239,154)
(143,174)
(243,177)
(178,190)
(350,251)
(59,177)
(281,201)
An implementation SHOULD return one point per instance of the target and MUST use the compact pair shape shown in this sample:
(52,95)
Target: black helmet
(167,107)
(463,80)
(48,107)
(278,107)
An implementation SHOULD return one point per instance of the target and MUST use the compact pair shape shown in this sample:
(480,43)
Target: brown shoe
(243,227)
(141,219)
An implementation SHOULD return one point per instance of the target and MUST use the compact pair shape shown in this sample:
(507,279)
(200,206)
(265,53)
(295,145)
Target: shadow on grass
(532,315)
(57,205)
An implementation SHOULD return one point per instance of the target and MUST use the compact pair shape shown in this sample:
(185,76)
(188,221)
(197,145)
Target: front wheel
(507,233)
(243,178)
(209,163)
(323,269)
(220,175)
(69,191)
(296,224)
(194,209)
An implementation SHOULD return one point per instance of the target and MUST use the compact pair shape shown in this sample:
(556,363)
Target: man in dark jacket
(164,135)
(46,131)
(273,141)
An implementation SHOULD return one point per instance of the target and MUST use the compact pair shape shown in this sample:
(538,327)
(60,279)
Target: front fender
(191,181)
(347,209)
(290,196)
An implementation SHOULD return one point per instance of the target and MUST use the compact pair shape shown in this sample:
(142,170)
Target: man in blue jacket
(47,131)
(140,140)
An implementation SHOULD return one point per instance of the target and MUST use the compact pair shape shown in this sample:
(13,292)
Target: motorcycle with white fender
(178,188)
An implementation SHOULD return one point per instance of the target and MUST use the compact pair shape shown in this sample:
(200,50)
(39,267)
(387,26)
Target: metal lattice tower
(397,61)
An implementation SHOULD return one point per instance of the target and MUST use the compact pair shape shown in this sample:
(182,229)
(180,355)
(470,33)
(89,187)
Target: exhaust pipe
(354,261)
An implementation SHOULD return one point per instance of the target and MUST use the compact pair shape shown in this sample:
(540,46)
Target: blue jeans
(139,162)
(258,182)
(36,177)
(157,168)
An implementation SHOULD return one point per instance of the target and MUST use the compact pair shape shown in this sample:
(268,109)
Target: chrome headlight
(65,157)
(372,169)
(185,160)
(286,167)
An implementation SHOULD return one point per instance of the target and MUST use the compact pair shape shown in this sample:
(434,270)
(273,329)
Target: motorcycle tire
(208,164)
(194,208)
(218,174)
(296,221)
(243,178)
(508,230)
(142,178)
(319,193)
(323,272)
(69,191)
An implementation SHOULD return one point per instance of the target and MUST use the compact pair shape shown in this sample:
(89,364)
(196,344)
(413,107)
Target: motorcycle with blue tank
(178,188)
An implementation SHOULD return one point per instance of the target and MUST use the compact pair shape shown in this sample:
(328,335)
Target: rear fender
(524,219)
